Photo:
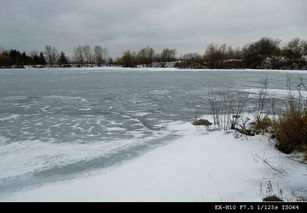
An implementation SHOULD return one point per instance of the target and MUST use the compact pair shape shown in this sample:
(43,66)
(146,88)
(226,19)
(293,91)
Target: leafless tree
(100,55)
(87,53)
(192,57)
(78,55)
(128,59)
(146,56)
(51,54)
(168,55)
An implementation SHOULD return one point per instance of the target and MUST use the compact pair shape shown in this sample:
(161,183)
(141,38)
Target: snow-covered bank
(154,69)
(200,166)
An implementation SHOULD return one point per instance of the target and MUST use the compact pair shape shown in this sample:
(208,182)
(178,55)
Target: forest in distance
(265,53)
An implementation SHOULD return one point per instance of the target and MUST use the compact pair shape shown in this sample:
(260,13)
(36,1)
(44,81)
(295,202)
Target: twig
(277,170)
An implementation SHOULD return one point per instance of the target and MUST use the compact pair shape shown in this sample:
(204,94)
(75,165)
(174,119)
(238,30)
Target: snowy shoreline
(155,69)
(200,166)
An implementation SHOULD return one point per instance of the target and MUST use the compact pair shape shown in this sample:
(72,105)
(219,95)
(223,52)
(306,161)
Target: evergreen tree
(42,60)
(24,59)
(15,56)
(62,60)
(35,59)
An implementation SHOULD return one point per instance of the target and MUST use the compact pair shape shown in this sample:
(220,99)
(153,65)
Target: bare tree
(87,53)
(51,54)
(128,59)
(214,55)
(146,56)
(168,55)
(192,57)
(78,55)
(100,55)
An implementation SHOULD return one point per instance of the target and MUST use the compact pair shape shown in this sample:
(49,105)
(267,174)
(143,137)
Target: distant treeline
(266,53)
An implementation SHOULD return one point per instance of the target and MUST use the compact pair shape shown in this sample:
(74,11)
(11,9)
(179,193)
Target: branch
(276,170)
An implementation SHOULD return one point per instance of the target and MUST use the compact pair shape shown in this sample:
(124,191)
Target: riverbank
(200,166)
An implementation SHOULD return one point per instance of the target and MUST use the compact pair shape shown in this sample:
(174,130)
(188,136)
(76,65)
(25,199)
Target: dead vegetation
(288,129)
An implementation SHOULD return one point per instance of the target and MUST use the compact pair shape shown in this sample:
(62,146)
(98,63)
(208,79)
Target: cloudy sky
(187,25)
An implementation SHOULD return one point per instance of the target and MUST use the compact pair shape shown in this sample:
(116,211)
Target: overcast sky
(187,25)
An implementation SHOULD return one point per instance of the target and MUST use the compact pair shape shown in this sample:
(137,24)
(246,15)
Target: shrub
(5,60)
(262,125)
(290,131)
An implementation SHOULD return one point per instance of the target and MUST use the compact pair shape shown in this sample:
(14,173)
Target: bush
(290,131)
(5,60)
(262,125)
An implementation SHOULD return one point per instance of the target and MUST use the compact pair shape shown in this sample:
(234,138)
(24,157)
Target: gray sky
(187,25)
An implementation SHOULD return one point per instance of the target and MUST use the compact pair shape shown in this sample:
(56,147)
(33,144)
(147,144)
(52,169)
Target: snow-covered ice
(277,93)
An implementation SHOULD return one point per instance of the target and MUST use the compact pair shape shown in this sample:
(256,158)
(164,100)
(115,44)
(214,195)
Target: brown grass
(290,131)
(262,126)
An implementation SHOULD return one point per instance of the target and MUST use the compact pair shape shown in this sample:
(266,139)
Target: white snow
(200,166)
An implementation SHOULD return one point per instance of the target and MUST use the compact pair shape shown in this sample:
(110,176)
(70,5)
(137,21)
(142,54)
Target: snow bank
(200,166)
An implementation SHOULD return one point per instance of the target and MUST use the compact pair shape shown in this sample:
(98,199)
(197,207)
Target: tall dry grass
(288,129)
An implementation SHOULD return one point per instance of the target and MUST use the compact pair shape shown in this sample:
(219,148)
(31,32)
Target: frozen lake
(60,123)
